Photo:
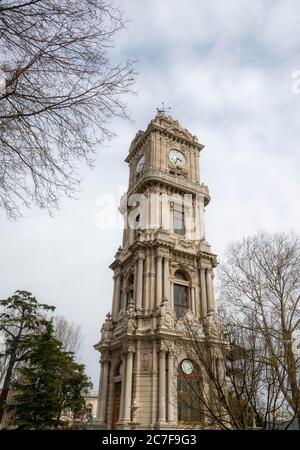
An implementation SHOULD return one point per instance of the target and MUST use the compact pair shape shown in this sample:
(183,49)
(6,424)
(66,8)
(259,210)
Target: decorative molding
(146,363)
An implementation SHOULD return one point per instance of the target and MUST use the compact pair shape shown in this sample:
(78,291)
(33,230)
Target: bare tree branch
(62,91)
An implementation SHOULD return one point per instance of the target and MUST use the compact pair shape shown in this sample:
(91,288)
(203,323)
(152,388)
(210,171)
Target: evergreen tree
(51,384)
(21,318)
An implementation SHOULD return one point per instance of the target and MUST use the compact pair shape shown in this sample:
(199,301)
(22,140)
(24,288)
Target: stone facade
(141,341)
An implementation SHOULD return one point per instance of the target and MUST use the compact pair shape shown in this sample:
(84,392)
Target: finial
(163,109)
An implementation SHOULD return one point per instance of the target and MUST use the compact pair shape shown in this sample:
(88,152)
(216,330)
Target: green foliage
(46,381)
(51,384)
(21,318)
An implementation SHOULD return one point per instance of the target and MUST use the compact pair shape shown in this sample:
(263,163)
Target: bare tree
(230,375)
(62,88)
(260,280)
(68,334)
(236,386)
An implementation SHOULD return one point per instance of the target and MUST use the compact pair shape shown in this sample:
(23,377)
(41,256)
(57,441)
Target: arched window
(181,294)
(189,387)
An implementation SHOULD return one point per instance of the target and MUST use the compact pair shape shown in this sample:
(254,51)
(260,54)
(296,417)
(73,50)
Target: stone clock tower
(163,278)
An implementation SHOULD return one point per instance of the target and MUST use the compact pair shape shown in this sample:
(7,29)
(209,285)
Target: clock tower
(163,279)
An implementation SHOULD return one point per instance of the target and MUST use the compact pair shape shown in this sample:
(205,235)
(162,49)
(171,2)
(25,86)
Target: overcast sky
(229,72)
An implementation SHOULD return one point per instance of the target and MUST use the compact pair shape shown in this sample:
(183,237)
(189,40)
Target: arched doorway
(116,396)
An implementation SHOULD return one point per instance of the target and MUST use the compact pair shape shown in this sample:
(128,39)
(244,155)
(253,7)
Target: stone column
(203,292)
(162,387)
(188,219)
(170,386)
(201,213)
(172,296)
(152,294)
(171,217)
(146,282)
(154,383)
(166,280)
(100,390)
(210,299)
(193,300)
(165,212)
(158,280)
(131,234)
(103,394)
(197,166)
(220,366)
(128,387)
(139,290)
(113,303)
(123,303)
(116,304)
(122,400)
(213,290)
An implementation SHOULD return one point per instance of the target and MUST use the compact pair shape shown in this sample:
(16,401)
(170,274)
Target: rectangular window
(178,221)
(190,408)
(180,299)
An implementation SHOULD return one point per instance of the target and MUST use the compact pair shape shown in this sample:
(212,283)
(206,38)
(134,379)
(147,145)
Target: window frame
(179,210)
(181,284)
(186,388)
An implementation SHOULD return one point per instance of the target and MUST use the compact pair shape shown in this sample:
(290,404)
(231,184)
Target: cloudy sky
(229,72)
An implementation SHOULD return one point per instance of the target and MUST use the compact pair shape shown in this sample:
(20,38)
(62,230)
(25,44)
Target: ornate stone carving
(166,316)
(106,330)
(188,324)
(121,315)
(128,347)
(146,363)
(131,324)
(213,326)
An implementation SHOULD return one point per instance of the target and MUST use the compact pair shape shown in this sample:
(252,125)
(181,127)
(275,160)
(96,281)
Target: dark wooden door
(116,404)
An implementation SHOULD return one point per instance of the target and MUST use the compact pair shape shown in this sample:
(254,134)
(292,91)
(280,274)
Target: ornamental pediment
(180,132)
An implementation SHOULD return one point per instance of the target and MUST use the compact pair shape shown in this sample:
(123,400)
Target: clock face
(187,366)
(140,164)
(177,158)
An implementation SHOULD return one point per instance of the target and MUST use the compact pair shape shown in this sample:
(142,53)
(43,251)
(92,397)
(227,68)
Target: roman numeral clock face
(177,158)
